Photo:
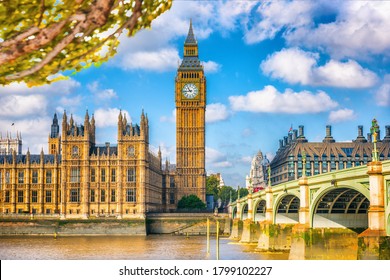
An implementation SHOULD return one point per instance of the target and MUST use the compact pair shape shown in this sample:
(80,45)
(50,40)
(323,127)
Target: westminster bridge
(284,216)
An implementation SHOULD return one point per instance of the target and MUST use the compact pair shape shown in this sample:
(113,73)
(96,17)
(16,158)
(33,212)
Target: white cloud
(270,100)
(61,87)
(109,117)
(216,112)
(229,12)
(211,67)
(171,118)
(101,94)
(359,30)
(70,102)
(341,115)
(246,159)
(382,95)
(291,65)
(22,105)
(297,66)
(215,158)
(275,16)
(160,60)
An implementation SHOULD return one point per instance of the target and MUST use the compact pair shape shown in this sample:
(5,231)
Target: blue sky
(269,65)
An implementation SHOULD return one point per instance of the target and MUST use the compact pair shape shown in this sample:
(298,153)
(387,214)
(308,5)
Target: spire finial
(190,37)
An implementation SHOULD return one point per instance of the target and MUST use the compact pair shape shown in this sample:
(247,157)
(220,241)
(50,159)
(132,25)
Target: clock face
(190,90)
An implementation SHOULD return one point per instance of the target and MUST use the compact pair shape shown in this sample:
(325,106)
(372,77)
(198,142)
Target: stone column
(250,207)
(373,243)
(238,209)
(269,215)
(304,201)
(376,212)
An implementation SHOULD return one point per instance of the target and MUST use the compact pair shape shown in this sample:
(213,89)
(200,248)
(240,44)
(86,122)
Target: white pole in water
(217,240)
(208,236)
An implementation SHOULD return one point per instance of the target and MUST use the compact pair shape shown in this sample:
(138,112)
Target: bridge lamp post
(374,131)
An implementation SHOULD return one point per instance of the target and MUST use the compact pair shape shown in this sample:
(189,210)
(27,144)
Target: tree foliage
(212,184)
(41,38)
(191,202)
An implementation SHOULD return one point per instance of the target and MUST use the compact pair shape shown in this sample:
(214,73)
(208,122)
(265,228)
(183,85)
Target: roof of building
(33,159)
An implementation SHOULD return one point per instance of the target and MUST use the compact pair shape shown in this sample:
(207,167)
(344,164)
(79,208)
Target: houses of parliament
(79,178)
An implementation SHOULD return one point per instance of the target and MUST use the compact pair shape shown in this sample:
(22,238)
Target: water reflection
(163,247)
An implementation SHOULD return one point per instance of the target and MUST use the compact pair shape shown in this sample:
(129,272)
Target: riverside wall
(172,223)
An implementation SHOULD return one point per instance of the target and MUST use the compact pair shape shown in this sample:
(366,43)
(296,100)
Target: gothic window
(93,175)
(48,196)
(34,196)
(1,178)
(20,196)
(48,177)
(131,151)
(92,195)
(172,198)
(130,195)
(75,151)
(102,196)
(7,177)
(20,177)
(112,195)
(113,175)
(103,175)
(75,175)
(131,174)
(35,177)
(6,196)
(75,195)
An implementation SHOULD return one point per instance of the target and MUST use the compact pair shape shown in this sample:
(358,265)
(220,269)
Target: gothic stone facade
(82,179)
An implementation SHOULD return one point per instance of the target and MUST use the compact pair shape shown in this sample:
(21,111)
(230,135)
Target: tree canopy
(41,38)
(191,202)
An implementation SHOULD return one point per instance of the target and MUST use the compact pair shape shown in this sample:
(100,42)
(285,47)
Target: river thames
(151,247)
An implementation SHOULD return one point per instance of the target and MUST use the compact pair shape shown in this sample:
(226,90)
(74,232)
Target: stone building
(80,178)
(325,156)
(8,144)
(257,178)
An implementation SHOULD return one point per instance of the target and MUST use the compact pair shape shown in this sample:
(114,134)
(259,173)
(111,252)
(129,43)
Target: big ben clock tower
(190,97)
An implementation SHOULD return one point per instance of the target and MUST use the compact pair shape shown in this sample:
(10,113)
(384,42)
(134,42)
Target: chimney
(289,138)
(285,141)
(378,137)
(360,137)
(369,137)
(280,143)
(360,131)
(328,131)
(387,136)
(328,138)
(301,132)
(295,135)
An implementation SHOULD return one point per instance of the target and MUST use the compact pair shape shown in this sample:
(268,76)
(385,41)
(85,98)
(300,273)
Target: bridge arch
(286,208)
(344,206)
(259,207)
(244,211)
(234,212)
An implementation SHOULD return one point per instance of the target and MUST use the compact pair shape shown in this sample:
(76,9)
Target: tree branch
(97,16)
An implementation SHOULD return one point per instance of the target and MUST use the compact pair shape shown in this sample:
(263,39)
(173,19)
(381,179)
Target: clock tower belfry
(190,97)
